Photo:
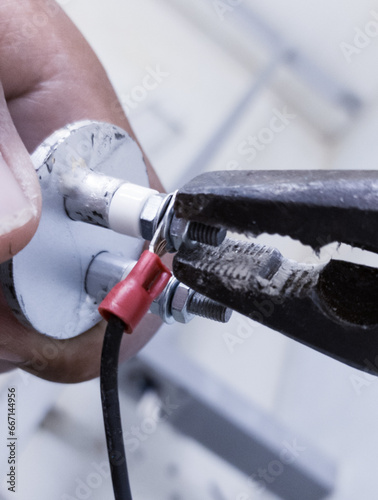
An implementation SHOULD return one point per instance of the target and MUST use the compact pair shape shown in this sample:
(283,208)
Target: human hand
(49,77)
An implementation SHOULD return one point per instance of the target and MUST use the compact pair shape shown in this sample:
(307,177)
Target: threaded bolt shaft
(206,234)
(210,309)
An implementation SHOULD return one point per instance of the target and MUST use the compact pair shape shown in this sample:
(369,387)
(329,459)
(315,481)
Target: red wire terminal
(130,299)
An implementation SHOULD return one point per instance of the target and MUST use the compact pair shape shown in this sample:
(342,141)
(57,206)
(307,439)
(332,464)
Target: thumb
(20,198)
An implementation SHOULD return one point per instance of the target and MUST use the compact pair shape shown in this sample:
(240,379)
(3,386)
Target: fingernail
(15,209)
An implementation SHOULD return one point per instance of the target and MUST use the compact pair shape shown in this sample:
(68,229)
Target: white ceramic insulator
(126,207)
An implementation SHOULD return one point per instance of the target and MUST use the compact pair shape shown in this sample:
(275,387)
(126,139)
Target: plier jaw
(331,307)
(315,207)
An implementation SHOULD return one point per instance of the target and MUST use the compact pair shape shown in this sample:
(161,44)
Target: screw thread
(206,234)
(209,309)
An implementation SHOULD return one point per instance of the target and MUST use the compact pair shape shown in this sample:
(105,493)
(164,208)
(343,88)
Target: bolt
(206,308)
(182,303)
(206,234)
(180,231)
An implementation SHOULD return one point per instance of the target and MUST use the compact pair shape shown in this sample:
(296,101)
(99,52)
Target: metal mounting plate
(44,283)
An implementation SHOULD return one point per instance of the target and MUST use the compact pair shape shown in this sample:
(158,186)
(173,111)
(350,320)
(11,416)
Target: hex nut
(155,307)
(180,301)
(150,215)
(161,306)
(177,232)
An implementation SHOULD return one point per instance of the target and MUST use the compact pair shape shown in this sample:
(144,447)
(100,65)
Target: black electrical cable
(111,410)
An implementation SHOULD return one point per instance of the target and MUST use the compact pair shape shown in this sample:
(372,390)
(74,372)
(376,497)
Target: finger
(51,76)
(20,199)
(54,79)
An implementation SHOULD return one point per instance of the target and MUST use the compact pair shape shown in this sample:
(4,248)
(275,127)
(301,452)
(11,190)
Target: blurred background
(233,85)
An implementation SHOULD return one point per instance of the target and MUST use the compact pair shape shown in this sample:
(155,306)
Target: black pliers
(331,307)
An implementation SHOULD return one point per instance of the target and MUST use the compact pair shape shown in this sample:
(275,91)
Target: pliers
(330,307)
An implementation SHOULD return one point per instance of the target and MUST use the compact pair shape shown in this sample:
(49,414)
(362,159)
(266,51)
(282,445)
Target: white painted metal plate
(44,283)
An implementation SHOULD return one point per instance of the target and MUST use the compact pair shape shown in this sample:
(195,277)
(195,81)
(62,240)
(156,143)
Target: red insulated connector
(130,299)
